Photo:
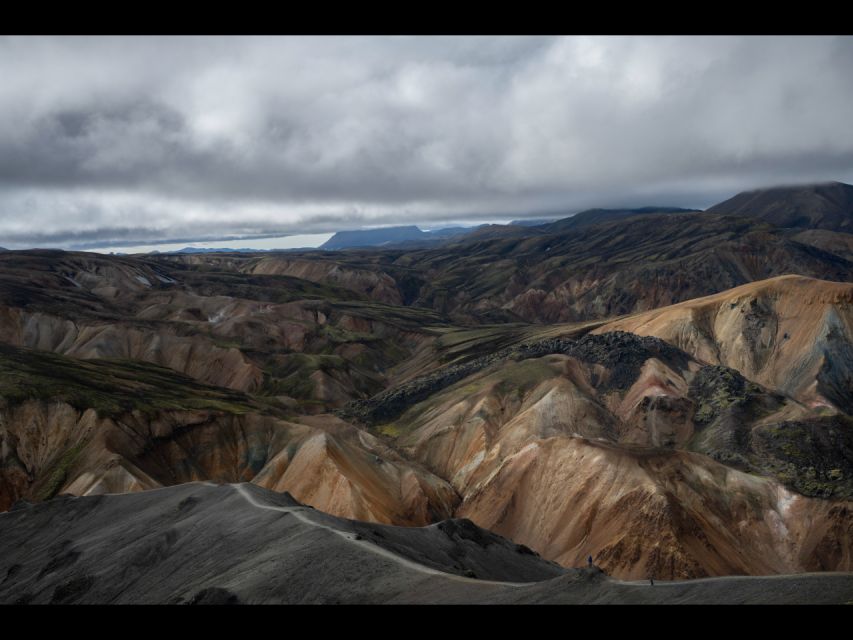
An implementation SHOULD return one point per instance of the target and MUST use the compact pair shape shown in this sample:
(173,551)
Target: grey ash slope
(169,545)
(200,543)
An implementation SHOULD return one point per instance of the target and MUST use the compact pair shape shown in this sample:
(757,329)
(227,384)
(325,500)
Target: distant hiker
(652,581)
(589,561)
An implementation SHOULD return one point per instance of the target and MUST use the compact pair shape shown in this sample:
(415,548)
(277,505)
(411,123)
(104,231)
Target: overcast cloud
(105,141)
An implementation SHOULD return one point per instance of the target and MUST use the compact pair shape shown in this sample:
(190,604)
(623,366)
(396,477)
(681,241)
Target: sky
(110,142)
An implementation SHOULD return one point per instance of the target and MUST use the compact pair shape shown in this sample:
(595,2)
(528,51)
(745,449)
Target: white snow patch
(216,317)
(165,279)
(74,282)
(144,280)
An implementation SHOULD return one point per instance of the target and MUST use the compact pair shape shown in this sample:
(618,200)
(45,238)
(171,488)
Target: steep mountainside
(816,206)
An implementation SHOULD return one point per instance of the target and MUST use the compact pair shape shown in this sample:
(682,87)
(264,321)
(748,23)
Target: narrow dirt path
(299,514)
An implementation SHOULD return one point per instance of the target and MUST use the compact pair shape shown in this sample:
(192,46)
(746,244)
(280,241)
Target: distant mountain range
(827,206)
(409,235)
(533,222)
(217,250)
(389,236)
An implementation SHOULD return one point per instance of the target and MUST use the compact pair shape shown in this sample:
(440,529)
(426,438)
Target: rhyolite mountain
(816,206)
(675,403)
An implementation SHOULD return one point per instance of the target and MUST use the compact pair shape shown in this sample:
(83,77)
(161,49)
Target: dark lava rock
(813,457)
(464,529)
(718,388)
(214,595)
(624,354)
(72,590)
(726,405)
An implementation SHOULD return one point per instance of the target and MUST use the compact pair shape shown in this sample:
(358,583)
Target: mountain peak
(826,205)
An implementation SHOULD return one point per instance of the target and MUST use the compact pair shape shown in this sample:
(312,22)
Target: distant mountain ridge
(389,236)
(591,217)
(532,223)
(816,206)
(217,250)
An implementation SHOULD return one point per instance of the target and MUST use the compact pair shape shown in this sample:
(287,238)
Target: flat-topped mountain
(374,237)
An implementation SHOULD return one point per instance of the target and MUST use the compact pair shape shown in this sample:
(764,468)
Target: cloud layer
(106,140)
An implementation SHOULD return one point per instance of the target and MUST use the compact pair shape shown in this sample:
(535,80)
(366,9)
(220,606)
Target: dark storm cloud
(124,139)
